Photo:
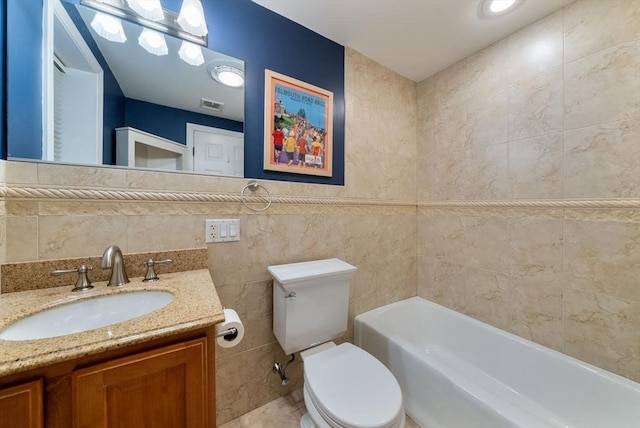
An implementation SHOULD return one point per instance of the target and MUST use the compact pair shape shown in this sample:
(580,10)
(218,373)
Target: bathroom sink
(86,314)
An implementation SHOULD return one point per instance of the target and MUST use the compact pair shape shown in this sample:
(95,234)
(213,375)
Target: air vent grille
(211,105)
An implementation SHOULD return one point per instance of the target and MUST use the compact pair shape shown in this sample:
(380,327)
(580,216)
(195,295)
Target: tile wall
(370,222)
(551,113)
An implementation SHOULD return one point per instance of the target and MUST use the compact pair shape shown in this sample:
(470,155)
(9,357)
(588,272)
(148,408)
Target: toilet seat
(351,388)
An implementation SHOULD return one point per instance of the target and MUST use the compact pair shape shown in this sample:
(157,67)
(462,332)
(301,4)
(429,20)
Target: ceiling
(161,79)
(415,38)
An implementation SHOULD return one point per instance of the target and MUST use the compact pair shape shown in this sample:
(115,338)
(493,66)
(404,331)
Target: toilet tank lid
(297,272)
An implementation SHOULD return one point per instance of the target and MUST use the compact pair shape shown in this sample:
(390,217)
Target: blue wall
(170,122)
(24,85)
(3,100)
(245,30)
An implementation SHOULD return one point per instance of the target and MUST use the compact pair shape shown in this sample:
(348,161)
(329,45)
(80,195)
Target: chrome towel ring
(253,185)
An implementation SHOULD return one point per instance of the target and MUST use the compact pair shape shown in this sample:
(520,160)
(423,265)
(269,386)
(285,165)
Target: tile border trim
(537,203)
(64,193)
(60,193)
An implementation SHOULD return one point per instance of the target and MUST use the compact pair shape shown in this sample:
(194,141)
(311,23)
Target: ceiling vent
(211,105)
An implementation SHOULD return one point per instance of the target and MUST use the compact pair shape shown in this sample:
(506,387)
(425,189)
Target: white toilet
(344,386)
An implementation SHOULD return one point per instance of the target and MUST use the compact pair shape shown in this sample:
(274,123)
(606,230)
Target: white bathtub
(458,372)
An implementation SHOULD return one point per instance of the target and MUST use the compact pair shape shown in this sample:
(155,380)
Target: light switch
(222,230)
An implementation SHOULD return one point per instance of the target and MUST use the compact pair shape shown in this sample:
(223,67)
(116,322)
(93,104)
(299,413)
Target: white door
(216,151)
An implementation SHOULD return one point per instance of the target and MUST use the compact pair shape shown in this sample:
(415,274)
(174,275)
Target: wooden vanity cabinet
(164,387)
(21,406)
(164,383)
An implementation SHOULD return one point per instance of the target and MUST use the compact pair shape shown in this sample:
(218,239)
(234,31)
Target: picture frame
(298,130)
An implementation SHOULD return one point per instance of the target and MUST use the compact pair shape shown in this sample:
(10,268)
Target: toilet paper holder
(229,334)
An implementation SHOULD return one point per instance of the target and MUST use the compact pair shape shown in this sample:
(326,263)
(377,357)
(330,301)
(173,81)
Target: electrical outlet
(221,230)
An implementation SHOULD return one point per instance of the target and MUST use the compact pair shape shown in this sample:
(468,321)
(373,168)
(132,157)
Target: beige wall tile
(603,331)
(21,238)
(536,167)
(488,117)
(535,246)
(232,387)
(156,233)
(449,177)
(68,175)
(448,287)
(445,238)
(603,257)
(161,181)
(20,172)
(536,48)
(535,311)
(603,161)
(486,297)
(535,105)
(602,87)
(488,172)
(486,69)
(487,243)
(451,85)
(594,25)
(62,237)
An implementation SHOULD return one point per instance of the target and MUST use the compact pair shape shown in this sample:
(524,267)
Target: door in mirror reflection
(216,151)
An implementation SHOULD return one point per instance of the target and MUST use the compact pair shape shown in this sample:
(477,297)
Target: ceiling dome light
(108,27)
(149,9)
(191,53)
(191,18)
(495,8)
(153,42)
(228,75)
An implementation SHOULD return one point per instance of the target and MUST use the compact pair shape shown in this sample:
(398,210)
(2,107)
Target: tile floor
(285,412)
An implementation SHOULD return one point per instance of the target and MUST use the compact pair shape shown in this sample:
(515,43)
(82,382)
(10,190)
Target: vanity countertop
(195,305)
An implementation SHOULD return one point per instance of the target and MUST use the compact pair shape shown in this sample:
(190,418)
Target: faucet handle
(151,275)
(83,283)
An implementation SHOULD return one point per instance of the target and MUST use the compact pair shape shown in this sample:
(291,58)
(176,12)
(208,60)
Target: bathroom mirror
(115,103)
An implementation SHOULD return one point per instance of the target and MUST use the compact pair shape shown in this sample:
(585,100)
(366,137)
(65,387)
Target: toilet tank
(310,302)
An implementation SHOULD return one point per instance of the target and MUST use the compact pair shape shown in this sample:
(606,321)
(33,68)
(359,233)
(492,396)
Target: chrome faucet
(112,259)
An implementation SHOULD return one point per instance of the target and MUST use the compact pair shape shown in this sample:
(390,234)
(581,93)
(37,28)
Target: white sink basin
(87,314)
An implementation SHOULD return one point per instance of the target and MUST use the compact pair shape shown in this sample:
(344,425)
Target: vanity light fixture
(191,54)
(191,17)
(228,75)
(495,8)
(153,42)
(149,9)
(108,27)
(144,13)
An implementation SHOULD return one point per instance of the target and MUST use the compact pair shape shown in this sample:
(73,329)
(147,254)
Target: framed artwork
(298,132)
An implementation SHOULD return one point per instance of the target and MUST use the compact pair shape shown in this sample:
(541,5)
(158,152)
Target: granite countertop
(195,305)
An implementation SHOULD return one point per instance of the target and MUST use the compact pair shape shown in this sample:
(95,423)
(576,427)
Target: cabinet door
(21,406)
(165,387)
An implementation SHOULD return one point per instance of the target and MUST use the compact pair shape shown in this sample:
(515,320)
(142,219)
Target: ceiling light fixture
(494,8)
(153,42)
(146,14)
(191,17)
(149,9)
(191,54)
(228,75)
(108,27)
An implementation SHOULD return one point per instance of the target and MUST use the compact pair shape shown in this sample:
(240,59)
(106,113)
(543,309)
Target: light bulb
(498,6)
(191,18)
(108,27)
(149,9)
(191,53)
(153,42)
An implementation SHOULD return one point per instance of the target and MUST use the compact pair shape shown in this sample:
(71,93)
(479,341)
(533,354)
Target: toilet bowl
(346,387)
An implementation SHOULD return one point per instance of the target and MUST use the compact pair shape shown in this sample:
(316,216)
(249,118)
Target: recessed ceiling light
(495,8)
(228,75)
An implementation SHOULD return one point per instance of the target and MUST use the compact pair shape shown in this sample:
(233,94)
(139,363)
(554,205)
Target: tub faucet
(112,259)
